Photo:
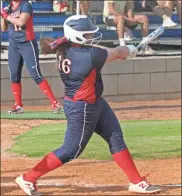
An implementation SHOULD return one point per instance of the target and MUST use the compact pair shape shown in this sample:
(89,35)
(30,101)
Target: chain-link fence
(49,17)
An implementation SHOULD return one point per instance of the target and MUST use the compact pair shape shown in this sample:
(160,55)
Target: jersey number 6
(65,65)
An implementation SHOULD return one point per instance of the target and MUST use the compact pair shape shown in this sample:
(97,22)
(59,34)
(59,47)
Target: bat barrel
(159,31)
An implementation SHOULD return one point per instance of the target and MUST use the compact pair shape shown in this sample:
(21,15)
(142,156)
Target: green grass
(33,115)
(145,139)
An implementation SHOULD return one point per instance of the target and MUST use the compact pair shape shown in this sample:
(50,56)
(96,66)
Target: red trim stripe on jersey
(29,29)
(87,90)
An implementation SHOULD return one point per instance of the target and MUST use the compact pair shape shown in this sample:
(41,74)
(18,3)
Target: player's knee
(37,79)
(36,74)
(16,81)
(144,19)
(120,18)
(66,154)
(14,78)
(117,143)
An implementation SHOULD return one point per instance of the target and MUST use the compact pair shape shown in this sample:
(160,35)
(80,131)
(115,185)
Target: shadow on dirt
(80,189)
(165,189)
(146,107)
(15,190)
(72,164)
(76,190)
(7,179)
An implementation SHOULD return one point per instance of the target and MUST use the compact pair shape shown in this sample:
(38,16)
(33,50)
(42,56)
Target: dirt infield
(83,177)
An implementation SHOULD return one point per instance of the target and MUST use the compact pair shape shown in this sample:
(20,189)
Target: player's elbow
(21,24)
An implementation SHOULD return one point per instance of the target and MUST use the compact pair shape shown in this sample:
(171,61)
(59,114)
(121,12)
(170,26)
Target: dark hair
(58,49)
(61,52)
(49,45)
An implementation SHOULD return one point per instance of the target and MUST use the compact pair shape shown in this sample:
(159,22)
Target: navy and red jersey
(80,72)
(21,34)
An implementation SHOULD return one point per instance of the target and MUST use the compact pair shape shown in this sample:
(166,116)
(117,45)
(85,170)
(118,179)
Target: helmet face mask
(78,27)
(94,38)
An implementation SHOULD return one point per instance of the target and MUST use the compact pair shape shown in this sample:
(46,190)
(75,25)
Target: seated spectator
(161,8)
(84,7)
(167,6)
(128,36)
(60,6)
(120,14)
(177,5)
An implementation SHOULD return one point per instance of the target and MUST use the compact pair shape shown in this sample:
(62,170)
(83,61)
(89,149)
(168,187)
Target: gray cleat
(56,108)
(16,110)
(144,187)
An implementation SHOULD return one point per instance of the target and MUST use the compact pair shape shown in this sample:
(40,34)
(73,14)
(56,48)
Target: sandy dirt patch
(82,177)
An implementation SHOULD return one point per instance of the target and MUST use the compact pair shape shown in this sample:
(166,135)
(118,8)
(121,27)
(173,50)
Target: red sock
(125,162)
(47,164)
(17,90)
(44,86)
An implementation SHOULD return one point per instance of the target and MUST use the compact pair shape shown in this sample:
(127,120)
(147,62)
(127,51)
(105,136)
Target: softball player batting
(23,48)
(80,65)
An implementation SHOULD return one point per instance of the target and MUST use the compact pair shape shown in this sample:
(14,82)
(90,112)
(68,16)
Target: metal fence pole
(78,7)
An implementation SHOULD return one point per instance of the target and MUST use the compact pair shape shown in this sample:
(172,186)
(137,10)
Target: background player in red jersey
(80,65)
(17,18)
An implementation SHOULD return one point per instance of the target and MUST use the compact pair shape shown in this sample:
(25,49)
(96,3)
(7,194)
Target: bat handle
(139,46)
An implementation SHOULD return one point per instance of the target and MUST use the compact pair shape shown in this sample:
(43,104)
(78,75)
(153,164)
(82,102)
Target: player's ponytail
(50,45)
(44,46)
(55,46)
(61,53)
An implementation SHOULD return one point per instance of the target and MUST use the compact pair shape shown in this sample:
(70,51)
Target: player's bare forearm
(4,25)
(120,52)
(21,21)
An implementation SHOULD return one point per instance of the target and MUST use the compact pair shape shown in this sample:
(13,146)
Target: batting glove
(133,50)
(4,13)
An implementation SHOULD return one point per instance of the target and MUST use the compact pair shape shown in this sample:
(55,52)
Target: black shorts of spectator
(154,6)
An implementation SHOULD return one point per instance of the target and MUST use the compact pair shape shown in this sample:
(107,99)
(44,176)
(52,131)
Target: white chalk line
(10,184)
